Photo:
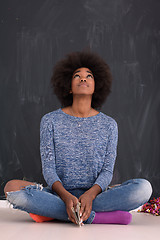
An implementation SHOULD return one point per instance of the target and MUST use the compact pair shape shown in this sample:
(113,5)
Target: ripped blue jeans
(43,201)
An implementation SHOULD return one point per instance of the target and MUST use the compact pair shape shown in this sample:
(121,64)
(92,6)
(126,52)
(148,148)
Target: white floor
(15,225)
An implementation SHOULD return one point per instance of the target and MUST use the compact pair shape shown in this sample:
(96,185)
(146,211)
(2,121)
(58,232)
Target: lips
(83,84)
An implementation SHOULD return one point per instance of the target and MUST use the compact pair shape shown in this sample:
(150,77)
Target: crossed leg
(16,185)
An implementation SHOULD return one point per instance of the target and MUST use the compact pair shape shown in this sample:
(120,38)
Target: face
(83,82)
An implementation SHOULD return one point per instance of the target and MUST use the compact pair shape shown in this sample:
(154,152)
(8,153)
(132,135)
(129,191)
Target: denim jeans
(43,201)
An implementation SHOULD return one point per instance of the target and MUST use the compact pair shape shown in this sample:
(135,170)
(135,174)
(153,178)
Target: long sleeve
(47,151)
(106,173)
(78,152)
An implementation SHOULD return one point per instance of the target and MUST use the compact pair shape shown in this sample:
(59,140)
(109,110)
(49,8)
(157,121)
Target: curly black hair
(63,71)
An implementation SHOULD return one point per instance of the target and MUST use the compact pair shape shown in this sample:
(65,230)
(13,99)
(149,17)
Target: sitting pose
(78,147)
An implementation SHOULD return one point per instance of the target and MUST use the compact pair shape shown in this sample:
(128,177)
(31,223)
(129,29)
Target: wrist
(93,195)
(94,191)
(60,190)
(65,195)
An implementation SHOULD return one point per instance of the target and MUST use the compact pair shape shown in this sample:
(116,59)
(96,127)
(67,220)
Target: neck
(81,107)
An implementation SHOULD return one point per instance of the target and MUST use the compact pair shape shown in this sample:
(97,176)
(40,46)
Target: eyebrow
(86,71)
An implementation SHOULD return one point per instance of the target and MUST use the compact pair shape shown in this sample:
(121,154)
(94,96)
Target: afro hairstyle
(63,71)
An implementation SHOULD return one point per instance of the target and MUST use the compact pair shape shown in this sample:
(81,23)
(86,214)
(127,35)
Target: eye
(89,75)
(76,75)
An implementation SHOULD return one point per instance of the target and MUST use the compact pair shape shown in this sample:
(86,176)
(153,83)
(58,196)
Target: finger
(82,208)
(71,216)
(75,205)
(69,209)
(70,206)
(73,220)
(85,216)
(86,213)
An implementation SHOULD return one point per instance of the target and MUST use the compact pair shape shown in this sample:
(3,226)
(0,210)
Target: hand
(71,201)
(86,205)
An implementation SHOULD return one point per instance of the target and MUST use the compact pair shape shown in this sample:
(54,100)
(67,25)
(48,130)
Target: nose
(83,80)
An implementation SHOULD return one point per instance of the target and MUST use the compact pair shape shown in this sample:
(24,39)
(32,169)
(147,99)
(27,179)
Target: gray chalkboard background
(35,34)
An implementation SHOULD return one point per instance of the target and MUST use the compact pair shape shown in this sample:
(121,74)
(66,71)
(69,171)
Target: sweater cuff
(50,180)
(102,186)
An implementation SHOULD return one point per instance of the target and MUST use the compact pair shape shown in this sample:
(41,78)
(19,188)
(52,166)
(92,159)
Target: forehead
(82,70)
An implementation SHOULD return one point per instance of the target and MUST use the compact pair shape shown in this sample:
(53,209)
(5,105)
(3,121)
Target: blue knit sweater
(78,152)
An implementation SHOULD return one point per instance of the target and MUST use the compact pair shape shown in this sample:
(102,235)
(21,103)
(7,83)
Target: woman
(78,147)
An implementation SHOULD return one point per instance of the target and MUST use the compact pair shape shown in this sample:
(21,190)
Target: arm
(48,166)
(86,200)
(69,200)
(105,175)
(47,151)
